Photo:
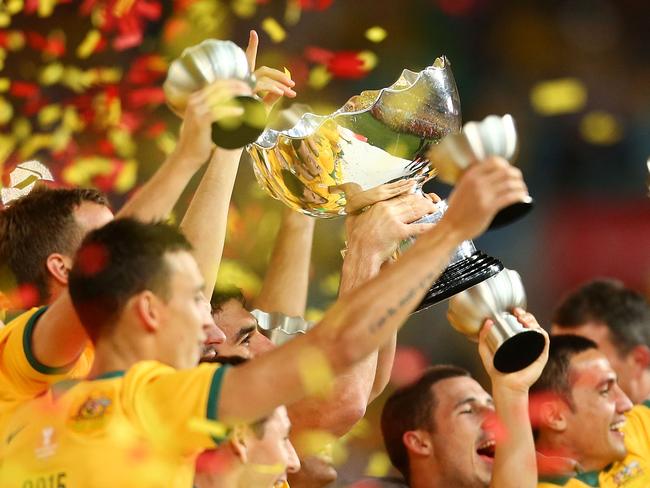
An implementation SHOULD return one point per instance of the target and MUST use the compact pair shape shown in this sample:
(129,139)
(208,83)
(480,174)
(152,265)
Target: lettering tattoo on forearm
(424,284)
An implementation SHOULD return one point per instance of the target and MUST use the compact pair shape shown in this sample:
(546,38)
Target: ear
(238,443)
(58,265)
(418,442)
(553,415)
(147,306)
(640,356)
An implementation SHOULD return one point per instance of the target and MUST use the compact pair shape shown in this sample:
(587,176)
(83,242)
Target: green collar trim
(589,478)
(27,347)
(108,375)
(647,403)
(212,411)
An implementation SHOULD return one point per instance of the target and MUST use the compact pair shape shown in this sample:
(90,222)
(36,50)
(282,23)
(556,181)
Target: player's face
(243,337)
(184,317)
(623,365)
(272,456)
(594,428)
(463,440)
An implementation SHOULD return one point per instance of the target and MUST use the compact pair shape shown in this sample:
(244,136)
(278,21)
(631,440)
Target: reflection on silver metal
(515,346)
(377,137)
(466,268)
(493,136)
(648,178)
(204,63)
(280,328)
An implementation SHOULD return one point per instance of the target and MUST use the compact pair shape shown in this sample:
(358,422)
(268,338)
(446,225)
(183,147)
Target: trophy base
(511,213)
(245,130)
(460,276)
(515,346)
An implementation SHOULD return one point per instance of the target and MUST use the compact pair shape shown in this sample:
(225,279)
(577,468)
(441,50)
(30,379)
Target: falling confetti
(600,128)
(275,31)
(378,465)
(561,96)
(23,178)
(376,34)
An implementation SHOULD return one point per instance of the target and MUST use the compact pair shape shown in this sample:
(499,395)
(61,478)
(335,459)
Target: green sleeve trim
(212,412)
(27,347)
(647,403)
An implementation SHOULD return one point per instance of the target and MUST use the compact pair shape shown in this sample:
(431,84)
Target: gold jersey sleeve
(137,428)
(22,377)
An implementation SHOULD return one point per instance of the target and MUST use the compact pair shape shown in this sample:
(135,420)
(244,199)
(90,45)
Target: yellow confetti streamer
(6,111)
(376,34)
(5,21)
(15,6)
(369,60)
(21,129)
(122,7)
(319,77)
(287,72)
(35,143)
(52,73)
(274,29)
(166,142)
(81,172)
(5,83)
(292,12)
(45,7)
(7,144)
(315,372)
(123,142)
(244,8)
(127,177)
(314,314)
(561,96)
(600,128)
(378,465)
(210,427)
(89,44)
(15,40)
(49,114)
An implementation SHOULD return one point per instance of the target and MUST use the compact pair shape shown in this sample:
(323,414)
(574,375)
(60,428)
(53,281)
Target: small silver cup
(280,328)
(514,346)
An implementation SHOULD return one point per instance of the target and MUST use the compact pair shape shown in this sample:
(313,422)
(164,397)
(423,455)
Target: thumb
(251,50)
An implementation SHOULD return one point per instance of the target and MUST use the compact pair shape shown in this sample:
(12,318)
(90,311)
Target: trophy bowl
(323,165)
(204,63)
(514,346)
(493,136)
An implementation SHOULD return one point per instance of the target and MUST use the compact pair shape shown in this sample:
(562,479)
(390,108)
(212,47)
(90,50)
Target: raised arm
(287,279)
(515,449)
(365,319)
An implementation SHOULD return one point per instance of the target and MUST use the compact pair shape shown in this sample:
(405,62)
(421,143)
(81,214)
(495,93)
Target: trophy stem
(515,347)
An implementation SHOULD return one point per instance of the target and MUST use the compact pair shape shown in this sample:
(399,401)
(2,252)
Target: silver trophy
(514,346)
(280,328)
(327,166)
(493,136)
(200,65)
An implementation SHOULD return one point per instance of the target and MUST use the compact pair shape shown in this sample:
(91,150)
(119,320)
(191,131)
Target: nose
(213,334)
(623,403)
(293,462)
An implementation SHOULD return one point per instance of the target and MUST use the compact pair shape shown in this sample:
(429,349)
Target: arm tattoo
(392,310)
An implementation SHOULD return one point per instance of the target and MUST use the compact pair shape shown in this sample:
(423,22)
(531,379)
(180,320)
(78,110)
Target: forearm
(287,279)
(156,198)
(358,324)
(205,221)
(385,358)
(515,448)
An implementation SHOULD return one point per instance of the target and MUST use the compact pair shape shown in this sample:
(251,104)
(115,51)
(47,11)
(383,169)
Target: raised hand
(270,84)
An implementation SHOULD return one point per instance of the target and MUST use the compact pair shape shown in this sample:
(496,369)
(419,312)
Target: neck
(423,474)
(118,353)
(557,456)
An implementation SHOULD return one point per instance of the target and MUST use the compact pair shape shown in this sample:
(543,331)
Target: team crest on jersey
(47,446)
(628,473)
(92,414)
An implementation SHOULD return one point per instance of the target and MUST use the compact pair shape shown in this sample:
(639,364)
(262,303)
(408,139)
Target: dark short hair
(624,312)
(37,225)
(412,407)
(220,298)
(116,262)
(555,377)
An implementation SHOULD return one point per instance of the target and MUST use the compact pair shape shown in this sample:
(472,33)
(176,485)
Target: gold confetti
(127,178)
(315,372)
(7,144)
(123,142)
(89,43)
(314,314)
(34,143)
(561,96)
(319,77)
(330,284)
(376,34)
(6,111)
(378,465)
(49,114)
(81,172)
(274,29)
(244,8)
(45,7)
(15,40)
(21,129)
(52,73)
(292,12)
(601,128)
(122,7)
(369,60)
(287,72)
(210,427)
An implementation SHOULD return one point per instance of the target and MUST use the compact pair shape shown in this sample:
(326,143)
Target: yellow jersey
(632,472)
(143,427)
(22,377)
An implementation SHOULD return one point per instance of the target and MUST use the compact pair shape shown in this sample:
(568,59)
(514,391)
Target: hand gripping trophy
(324,166)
